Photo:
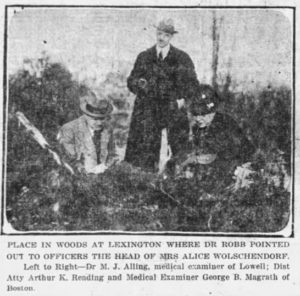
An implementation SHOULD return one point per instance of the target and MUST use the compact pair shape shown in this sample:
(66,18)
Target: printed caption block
(106,262)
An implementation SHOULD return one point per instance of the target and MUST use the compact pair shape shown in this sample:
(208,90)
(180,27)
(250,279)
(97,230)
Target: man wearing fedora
(89,139)
(162,78)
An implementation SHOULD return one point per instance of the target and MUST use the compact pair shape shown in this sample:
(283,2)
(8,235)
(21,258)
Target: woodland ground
(42,196)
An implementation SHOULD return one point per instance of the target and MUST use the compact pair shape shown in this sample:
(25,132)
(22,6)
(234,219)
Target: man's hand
(243,176)
(98,169)
(180,103)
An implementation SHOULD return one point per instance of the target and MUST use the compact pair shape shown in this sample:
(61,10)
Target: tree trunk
(215,52)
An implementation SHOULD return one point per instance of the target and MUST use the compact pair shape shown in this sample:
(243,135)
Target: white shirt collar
(165,50)
(91,131)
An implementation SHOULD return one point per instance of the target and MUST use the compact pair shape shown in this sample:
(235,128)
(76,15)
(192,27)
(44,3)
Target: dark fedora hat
(94,106)
(205,101)
(166,25)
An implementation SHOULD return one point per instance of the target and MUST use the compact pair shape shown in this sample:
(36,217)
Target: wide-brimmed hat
(206,101)
(166,25)
(94,106)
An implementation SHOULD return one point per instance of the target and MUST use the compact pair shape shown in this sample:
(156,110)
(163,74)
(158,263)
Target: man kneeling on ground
(88,140)
(216,144)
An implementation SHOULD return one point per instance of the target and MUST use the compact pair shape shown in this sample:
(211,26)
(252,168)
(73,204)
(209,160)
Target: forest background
(56,54)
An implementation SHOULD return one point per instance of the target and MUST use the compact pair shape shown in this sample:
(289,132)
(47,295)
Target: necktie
(160,57)
(97,142)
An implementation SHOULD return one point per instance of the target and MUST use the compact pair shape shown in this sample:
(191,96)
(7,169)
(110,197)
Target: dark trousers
(144,141)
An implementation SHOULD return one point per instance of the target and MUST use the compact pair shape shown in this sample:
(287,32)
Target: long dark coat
(155,105)
(222,138)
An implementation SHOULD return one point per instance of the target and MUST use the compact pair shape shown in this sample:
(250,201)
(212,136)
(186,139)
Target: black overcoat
(222,138)
(156,107)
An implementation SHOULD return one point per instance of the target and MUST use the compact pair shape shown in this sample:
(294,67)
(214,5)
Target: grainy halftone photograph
(148,120)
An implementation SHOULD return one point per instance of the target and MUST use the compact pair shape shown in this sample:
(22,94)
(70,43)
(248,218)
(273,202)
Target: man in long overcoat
(162,78)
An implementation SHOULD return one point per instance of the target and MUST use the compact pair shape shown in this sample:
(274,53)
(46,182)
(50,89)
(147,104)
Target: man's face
(163,38)
(95,123)
(203,120)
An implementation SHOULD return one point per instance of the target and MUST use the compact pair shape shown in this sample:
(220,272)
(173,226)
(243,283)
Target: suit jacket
(155,105)
(77,141)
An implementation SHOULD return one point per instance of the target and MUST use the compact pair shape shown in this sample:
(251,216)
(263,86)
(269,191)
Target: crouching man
(88,140)
(217,145)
